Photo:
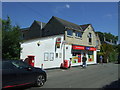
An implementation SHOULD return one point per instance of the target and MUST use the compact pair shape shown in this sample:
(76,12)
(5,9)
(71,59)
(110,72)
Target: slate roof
(109,43)
(25,29)
(39,23)
(84,26)
(43,24)
(68,24)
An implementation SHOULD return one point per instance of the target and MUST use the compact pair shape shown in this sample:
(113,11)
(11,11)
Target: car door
(26,73)
(9,75)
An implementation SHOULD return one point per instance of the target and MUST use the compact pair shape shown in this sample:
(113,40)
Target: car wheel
(40,80)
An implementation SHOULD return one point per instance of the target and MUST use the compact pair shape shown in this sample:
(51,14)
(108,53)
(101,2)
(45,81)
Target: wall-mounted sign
(92,49)
(75,47)
(58,41)
(78,47)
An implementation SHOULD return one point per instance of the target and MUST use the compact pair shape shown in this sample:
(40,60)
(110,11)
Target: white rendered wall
(47,45)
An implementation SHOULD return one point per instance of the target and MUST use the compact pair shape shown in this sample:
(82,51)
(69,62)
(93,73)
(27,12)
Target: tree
(108,37)
(10,40)
(106,49)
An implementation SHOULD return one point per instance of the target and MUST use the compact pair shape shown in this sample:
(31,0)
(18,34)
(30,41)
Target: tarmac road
(94,76)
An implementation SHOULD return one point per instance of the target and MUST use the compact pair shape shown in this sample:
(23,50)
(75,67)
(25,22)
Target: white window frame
(76,34)
(51,56)
(46,56)
(71,34)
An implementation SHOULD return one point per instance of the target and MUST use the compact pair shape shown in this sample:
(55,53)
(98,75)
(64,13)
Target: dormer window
(78,34)
(69,32)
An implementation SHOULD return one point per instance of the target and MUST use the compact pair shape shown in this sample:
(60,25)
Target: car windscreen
(20,64)
(7,65)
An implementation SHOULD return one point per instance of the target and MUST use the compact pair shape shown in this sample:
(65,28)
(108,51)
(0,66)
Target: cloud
(67,6)
(108,16)
(59,9)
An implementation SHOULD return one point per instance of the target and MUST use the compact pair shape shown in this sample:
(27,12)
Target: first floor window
(69,32)
(78,34)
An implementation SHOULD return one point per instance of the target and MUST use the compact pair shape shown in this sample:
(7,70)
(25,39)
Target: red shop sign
(78,47)
(92,49)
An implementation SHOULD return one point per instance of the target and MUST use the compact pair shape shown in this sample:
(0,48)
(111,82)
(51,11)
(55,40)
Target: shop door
(90,56)
(31,60)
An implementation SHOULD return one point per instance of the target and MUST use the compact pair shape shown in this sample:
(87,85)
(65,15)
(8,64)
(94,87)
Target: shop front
(77,54)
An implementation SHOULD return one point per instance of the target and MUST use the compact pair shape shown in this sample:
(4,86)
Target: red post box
(66,65)
(31,60)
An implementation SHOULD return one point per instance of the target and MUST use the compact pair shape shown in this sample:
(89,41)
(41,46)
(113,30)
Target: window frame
(71,35)
(77,35)
(51,54)
(46,53)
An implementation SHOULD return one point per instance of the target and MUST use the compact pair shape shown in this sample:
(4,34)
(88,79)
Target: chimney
(104,38)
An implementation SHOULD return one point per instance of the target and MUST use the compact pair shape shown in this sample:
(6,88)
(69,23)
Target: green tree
(106,49)
(10,40)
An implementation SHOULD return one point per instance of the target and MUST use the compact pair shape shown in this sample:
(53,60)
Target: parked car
(18,73)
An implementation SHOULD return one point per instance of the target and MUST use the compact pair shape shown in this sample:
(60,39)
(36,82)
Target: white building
(55,46)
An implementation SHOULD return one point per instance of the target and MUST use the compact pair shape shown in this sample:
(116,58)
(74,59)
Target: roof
(109,43)
(84,26)
(41,23)
(68,24)
(25,29)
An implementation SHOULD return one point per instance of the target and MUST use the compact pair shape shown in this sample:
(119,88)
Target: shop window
(46,56)
(69,32)
(51,56)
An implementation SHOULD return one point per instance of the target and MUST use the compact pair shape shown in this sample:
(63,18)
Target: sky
(102,15)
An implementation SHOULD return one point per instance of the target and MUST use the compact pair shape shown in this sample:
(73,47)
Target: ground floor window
(76,57)
(46,56)
(90,56)
(51,56)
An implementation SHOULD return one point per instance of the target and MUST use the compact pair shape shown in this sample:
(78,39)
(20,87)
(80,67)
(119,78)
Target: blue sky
(102,15)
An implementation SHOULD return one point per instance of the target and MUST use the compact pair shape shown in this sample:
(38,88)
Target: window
(46,56)
(90,35)
(51,56)
(56,55)
(90,38)
(78,34)
(60,55)
(69,32)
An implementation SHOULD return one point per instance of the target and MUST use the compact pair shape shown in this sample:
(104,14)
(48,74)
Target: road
(94,76)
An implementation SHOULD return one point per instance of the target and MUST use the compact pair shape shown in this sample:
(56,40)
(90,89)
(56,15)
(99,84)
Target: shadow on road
(115,84)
